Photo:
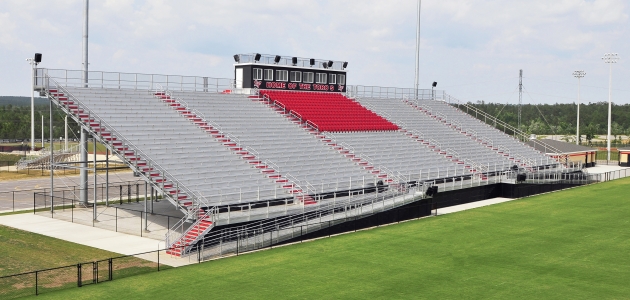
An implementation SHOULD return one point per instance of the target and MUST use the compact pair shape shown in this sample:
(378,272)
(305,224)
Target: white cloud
(463,41)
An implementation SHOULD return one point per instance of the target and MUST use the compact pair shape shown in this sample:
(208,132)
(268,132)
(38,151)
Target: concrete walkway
(467,206)
(94,237)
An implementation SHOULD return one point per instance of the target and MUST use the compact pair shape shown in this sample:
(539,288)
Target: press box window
(258,74)
(342,79)
(282,75)
(321,78)
(268,74)
(308,77)
(333,78)
(296,76)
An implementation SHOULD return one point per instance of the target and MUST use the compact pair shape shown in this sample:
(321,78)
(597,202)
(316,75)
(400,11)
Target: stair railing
(210,213)
(311,214)
(93,117)
(103,124)
(417,133)
(160,89)
(489,119)
(504,149)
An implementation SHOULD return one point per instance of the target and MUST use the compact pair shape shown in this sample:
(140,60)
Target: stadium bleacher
(216,154)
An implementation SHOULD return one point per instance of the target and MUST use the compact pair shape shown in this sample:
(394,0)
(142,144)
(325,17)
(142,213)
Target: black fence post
(120,194)
(79,281)
(94,272)
(158,262)
(111,271)
(36,283)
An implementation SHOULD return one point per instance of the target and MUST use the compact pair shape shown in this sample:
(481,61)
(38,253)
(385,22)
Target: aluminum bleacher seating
(280,142)
(330,111)
(452,130)
(194,158)
(514,145)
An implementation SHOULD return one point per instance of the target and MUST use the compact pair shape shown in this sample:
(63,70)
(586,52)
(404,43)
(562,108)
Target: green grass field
(567,245)
(24,251)
(9,159)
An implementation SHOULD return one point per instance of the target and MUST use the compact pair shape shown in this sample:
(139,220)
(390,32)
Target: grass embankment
(38,173)
(567,245)
(24,251)
(9,159)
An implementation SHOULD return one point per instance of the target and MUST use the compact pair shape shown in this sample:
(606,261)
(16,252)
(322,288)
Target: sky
(472,48)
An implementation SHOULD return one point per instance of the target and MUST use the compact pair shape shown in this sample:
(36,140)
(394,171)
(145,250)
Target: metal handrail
(137,151)
(138,81)
(517,132)
(111,129)
(310,213)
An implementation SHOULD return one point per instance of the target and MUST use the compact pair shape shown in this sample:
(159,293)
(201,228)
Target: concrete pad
(598,169)
(94,237)
(467,206)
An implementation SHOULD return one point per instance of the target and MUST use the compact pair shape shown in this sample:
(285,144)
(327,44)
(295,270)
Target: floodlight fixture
(578,74)
(610,59)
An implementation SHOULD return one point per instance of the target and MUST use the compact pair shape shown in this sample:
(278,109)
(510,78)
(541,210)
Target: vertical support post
(43,132)
(106,176)
(146,217)
(152,199)
(65,131)
(95,190)
(52,174)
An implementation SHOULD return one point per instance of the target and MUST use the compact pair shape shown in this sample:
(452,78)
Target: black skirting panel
(426,207)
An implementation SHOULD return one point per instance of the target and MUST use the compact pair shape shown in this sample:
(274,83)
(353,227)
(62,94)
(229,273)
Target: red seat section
(330,111)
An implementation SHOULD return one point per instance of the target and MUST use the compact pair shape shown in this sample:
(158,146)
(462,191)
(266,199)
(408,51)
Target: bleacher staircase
(193,205)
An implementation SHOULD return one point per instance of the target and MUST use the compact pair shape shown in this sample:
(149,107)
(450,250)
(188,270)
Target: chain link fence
(77,275)
(121,192)
(122,215)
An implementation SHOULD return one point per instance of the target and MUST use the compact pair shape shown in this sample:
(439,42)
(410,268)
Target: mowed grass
(567,245)
(24,251)
(7,159)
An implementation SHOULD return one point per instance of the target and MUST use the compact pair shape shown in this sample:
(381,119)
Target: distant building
(624,157)
(576,153)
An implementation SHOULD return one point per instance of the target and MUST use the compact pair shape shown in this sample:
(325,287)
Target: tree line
(561,119)
(545,119)
(15,122)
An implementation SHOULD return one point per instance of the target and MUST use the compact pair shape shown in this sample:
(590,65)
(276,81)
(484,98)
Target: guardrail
(135,81)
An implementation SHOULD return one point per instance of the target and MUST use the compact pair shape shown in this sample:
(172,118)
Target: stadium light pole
(33,64)
(83,176)
(610,59)
(578,74)
(417,82)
